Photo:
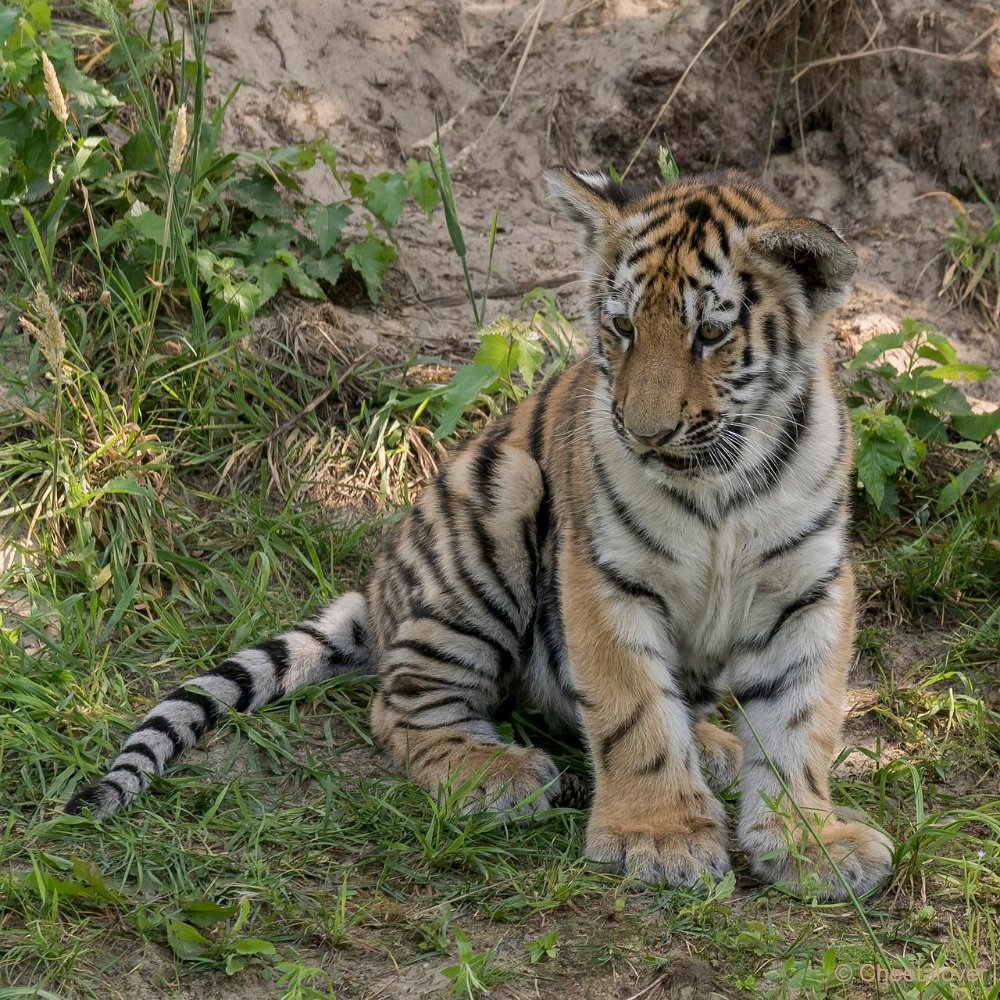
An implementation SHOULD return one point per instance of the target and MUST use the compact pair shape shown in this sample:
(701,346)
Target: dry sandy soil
(521,85)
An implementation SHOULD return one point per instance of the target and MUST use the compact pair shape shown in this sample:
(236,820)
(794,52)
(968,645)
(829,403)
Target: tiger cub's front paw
(666,846)
(857,858)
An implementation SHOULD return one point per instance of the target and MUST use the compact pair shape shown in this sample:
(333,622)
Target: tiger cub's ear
(821,261)
(592,199)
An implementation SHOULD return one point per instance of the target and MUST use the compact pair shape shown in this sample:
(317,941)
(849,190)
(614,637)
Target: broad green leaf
(385,196)
(234,965)
(39,13)
(186,941)
(325,268)
(6,154)
(8,22)
(977,427)
(269,278)
(205,913)
(138,153)
(371,259)
(420,185)
(953,491)
(298,278)
(326,222)
(257,194)
(467,385)
(148,226)
(268,238)
(253,946)
(494,352)
(947,399)
(874,348)
(530,356)
(961,370)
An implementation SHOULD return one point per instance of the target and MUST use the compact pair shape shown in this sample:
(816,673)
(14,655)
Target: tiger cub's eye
(623,326)
(711,334)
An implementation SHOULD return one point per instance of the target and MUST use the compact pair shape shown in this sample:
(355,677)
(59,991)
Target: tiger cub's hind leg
(438,733)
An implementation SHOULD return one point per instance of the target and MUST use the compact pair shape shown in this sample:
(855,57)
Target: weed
(972,249)
(899,412)
(475,972)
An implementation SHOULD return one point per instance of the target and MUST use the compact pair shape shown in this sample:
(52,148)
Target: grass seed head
(178,142)
(53,91)
(50,334)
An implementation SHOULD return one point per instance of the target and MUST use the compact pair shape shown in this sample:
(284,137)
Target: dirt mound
(910,108)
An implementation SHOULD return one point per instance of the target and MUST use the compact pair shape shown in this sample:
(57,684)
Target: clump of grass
(972,252)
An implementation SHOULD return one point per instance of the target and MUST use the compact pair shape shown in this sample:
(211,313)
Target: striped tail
(335,641)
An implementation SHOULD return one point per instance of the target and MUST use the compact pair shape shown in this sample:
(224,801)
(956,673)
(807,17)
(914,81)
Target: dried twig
(505,291)
(967,54)
(659,981)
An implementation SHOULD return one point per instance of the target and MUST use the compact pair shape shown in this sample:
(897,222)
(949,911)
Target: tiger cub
(661,525)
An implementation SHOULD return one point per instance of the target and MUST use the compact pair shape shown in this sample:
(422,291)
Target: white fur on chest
(714,578)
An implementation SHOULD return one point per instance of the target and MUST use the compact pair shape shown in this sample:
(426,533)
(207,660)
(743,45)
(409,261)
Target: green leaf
(467,385)
(39,13)
(978,426)
(298,278)
(325,268)
(7,150)
(9,17)
(420,185)
(268,238)
(443,180)
(292,157)
(876,347)
(883,446)
(148,226)
(529,356)
(234,965)
(953,491)
(90,875)
(253,946)
(385,196)
(205,913)
(948,399)
(186,941)
(139,153)
(326,223)
(85,93)
(494,352)
(269,278)
(960,370)
(257,194)
(328,154)
(371,259)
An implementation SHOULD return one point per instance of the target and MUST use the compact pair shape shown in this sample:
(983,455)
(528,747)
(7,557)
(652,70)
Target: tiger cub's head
(706,300)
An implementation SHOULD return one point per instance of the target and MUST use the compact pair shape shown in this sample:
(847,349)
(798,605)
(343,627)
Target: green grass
(167,487)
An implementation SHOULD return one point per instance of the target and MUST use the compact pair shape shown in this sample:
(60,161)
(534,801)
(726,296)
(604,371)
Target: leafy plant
(474,972)
(900,411)
(510,357)
(543,946)
(164,213)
